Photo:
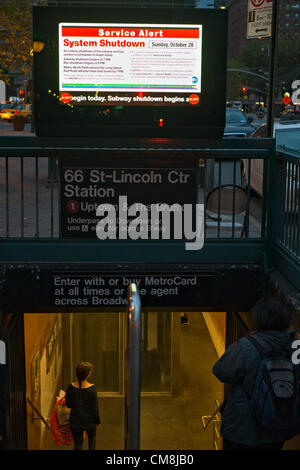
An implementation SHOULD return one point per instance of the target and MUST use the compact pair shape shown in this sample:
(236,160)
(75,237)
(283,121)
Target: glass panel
(156,352)
(96,339)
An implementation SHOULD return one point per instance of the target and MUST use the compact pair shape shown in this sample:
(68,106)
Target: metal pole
(273,54)
(133,370)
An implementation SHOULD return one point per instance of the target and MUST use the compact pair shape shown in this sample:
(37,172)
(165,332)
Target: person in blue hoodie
(238,367)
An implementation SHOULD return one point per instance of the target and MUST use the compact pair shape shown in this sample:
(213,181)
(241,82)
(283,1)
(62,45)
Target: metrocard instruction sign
(259,18)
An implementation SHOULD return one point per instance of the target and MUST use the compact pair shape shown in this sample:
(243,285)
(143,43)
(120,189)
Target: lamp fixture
(38,46)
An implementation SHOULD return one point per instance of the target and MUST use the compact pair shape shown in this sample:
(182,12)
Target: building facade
(288,26)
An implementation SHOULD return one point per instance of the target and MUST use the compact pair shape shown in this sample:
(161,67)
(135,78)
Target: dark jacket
(238,366)
(84,405)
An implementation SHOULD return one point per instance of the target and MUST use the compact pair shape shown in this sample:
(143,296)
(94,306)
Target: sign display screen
(129,64)
(122,71)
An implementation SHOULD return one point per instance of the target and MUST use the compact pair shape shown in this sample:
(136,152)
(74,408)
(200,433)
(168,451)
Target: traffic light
(285,89)
(244,90)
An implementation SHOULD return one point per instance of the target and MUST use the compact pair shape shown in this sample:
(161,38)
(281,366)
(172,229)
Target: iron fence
(288,233)
(286,240)
(13,387)
(250,195)
(30,195)
(236,328)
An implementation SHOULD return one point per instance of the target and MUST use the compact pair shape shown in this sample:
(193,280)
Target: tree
(256,56)
(16,37)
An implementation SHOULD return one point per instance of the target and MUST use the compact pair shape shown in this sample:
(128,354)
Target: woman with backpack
(258,414)
(81,397)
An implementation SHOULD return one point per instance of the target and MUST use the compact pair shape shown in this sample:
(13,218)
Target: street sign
(259,18)
(110,290)
(86,183)
(286,100)
(98,287)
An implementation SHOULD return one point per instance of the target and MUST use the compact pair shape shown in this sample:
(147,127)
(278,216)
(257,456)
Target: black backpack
(275,397)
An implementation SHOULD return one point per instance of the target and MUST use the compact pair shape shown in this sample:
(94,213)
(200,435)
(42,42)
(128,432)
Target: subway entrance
(182,337)
(178,350)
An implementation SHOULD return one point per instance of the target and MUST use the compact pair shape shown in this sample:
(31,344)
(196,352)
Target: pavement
(7,130)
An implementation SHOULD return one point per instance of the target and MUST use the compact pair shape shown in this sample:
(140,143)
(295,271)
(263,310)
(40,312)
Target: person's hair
(269,314)
(82,371)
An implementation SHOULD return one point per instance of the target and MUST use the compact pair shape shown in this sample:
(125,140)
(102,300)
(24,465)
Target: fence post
(272,205)
(133,370)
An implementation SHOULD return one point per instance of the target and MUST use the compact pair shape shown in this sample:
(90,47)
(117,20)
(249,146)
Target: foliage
(15,37)
(18,117)
(235,80)
(255,58)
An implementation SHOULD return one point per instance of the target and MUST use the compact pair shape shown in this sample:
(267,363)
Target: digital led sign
(129,64)
(130,72)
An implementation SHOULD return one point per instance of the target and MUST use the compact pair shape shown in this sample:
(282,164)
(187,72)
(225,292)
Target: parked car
(237,124)
(235,104)
(24,110)
(6,106)
(261,131)
(7,113)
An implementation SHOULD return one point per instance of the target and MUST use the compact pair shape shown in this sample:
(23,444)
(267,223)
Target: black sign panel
(85,288)
(110,290)
(151,87)
(88,183)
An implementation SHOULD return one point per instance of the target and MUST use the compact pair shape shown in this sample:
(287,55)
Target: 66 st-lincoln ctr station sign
(137,203)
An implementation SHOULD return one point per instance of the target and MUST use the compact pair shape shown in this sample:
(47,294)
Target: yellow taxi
(23,110)
(7,113)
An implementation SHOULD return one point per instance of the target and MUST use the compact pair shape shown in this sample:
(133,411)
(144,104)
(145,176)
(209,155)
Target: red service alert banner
(124,64)
(130,32)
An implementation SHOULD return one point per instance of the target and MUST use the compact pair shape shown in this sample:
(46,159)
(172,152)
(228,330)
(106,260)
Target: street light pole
(271,94)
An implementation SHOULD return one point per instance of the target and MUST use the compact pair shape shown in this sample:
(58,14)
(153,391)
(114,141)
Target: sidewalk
(6,130)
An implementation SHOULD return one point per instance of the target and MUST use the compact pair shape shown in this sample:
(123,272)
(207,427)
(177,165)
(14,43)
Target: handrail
(133,374)
(217,410)
(216,423)
(38,413)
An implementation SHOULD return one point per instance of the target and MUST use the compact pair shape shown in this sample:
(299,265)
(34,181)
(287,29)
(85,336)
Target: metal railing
(287,235)
(12,388)
(133,372)
(39,415)
(236,328)
(30,195)
(29,198)
(31,203)
(215,420)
